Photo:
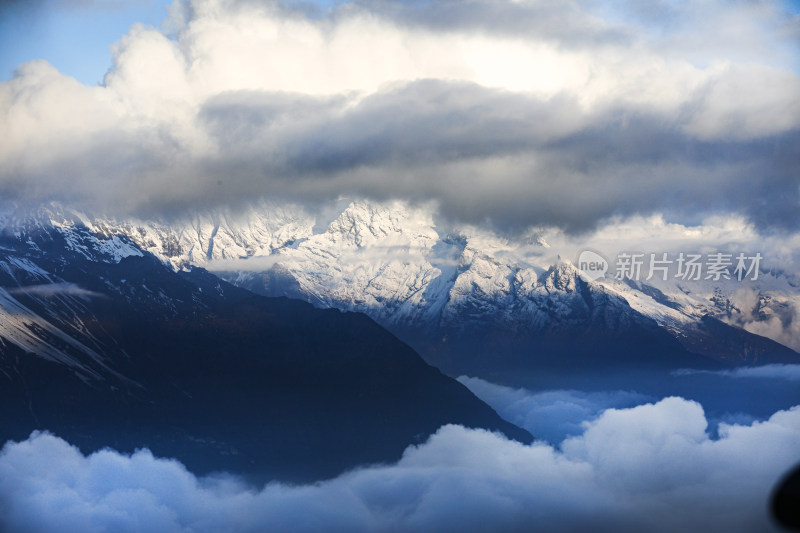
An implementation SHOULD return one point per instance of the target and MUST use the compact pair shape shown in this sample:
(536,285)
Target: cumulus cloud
(519,113)
(652,467)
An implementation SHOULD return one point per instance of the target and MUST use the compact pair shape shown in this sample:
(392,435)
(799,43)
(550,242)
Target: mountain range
(295,359)
(469,300)
(104,344)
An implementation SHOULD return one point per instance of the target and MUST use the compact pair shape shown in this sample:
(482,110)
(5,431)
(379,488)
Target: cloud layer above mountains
(652,467)
(518,112)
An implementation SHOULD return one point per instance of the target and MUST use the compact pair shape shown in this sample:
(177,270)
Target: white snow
(24,328)
(402,266)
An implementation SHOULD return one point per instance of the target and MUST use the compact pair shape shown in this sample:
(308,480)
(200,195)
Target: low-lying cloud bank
(551,415)
(648,468)
(51,290)
(776,371)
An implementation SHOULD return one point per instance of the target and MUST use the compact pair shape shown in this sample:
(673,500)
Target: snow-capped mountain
(460,293)
(105,345)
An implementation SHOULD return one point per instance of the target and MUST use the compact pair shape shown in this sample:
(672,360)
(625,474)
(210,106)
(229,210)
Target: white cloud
(56,289)
(549,415)
(648,468)
(244,264)
(774,371)
(519,112)
(746,101)
(776,316)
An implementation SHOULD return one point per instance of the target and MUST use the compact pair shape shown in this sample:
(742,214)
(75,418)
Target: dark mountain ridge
(104,345)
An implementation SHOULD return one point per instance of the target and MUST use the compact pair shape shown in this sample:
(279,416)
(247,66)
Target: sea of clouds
(650,467)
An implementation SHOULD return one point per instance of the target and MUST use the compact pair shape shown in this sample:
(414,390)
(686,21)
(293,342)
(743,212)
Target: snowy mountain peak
(216,235)
(80,234)
(561,277)
(364,224)
(392,261)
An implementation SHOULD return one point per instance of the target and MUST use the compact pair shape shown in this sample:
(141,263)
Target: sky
(507,113)
(76,36)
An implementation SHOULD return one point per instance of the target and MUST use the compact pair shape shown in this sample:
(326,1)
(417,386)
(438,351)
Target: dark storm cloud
(489,154)
(438,103)
(483,154)
(422,123)
(563,23)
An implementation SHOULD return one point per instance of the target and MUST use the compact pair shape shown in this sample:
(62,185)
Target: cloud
(774,371)
(776,316)
(245,264)
(652,467)
(550,415)
(362,257)
(483,107)
(55,289)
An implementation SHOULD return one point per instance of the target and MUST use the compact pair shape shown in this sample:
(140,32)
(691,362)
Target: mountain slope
(104,345)
(467,300)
